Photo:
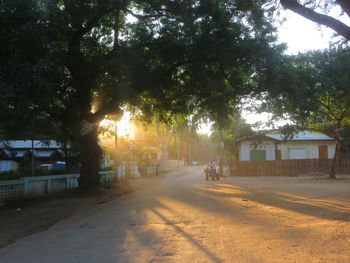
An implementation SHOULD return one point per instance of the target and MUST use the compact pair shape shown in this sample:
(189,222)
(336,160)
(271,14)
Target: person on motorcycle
(212,168)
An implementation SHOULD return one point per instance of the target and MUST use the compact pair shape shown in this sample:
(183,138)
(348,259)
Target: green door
(258,155)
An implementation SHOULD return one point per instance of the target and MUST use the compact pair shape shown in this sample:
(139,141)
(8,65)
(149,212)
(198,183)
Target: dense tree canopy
(315,94)
(74,62)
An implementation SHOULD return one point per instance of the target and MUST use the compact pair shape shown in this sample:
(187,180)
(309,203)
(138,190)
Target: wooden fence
(288,167)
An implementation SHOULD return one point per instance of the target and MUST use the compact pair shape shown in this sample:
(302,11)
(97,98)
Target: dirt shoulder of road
(29,216)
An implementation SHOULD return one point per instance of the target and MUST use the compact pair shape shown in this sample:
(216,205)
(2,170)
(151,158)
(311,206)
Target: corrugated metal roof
(302,136)
(15,154)
(27,144)
(43,154)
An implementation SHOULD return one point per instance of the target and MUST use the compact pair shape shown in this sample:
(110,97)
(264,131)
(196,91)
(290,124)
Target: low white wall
(42,185)
(144,170)
(134,170)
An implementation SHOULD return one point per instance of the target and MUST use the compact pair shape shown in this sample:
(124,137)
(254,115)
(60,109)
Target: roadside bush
(11,175)
(108,168)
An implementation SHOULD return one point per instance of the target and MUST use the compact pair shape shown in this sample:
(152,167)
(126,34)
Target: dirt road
(183,218)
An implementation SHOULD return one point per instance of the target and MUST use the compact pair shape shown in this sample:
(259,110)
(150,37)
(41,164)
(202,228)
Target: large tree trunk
(90,154)
(165,134)
(335,160)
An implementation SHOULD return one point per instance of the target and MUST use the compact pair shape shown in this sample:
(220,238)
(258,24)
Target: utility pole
(116,145)
(221,155)
(178,150)
(33,160)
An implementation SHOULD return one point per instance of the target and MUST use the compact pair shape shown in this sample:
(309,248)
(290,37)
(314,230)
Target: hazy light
(204,128)
(299,33)
(123,125)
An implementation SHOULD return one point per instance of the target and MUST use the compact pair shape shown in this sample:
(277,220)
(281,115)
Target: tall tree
(82,59)
(315,94)
(235,130)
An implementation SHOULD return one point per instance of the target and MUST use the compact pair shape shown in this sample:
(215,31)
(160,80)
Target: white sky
(300,34)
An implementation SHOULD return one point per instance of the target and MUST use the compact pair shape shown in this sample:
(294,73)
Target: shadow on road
(332,209)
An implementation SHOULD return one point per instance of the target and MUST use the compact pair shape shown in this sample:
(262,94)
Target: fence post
(25,187)
(49,185)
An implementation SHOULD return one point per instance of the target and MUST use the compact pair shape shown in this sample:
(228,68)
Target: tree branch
(345,5)
(321,131)
(116,31)
(159,15)
(339,27)
(226,76)
(329,112)
(109,108)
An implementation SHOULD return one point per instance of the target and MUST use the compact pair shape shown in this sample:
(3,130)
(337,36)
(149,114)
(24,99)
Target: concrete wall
(42,185)
(134,170)
(146,171)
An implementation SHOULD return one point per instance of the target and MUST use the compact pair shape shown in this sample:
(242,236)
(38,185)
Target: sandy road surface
(183,218)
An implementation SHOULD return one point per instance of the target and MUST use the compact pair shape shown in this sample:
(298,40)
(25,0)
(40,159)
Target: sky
(300,35)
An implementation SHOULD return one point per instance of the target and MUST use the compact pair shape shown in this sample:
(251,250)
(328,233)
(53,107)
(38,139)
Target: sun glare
(123,125)
(205,128)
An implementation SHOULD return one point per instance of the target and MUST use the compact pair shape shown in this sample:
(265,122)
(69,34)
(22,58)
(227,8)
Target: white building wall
(331,150)
(311,148)
(270,151)
(244,153)
(8,165)
(245,147)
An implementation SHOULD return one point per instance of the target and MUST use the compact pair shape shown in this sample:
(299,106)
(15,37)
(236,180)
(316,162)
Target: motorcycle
(211,175)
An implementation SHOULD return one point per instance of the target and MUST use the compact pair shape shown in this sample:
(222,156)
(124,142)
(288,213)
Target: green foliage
(61,57)
(235,131)
(12,175)
(314,91)
(69,61)
(203,149)
(318,96)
